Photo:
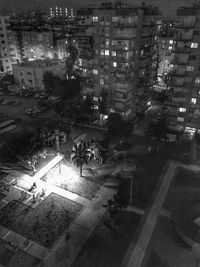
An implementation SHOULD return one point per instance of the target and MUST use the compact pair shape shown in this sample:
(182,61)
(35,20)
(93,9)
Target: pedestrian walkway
(136,252)
(80,230)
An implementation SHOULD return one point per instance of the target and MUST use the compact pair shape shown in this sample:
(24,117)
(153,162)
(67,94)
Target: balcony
(179,61)
(181,50)
(183,37)
(125,24)
(184,25)
(178,73)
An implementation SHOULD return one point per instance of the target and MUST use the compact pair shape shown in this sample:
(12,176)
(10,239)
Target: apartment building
(9,52)
(116,46)
(30,74)
(36,44)
(62,11)
(183,95)
(60,47)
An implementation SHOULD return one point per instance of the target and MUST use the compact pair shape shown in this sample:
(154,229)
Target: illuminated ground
(68,178)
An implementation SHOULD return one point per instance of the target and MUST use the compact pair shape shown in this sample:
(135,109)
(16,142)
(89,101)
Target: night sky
(167,6)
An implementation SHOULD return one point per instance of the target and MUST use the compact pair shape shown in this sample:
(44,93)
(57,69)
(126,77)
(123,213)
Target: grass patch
(44,224)
(187,178)
(106,247)
(155,261)
(19,258)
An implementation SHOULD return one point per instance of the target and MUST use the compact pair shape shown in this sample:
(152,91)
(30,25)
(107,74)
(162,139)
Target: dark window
(2,35)
(192,57)
(28,73)
(3,42)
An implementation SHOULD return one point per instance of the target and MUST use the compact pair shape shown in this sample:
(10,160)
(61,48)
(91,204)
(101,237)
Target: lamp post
(131,191)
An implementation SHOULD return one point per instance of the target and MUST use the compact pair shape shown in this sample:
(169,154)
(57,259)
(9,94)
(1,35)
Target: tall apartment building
(9,49)
(183,103)
(116,54)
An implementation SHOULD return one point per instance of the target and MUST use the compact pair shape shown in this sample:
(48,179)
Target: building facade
(37,44)
(9,47)
(115,49)
(62,11)
(30,74)
(183,95)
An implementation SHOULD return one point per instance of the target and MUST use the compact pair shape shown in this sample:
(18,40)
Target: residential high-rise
(9,52)
(117,48)
(183,103)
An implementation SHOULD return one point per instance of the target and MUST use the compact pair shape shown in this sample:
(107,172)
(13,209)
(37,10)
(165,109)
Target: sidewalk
(135,254)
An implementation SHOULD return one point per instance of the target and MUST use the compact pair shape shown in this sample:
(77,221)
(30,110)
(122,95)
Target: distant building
(9,47)
(30,74)
(62,11)
(60,47)
(118,55)
(37,44)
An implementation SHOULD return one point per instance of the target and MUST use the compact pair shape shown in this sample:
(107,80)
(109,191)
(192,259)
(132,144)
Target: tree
(71,59)
(103,103)
(60,110)
(115,124)
(49,82)
(80,155)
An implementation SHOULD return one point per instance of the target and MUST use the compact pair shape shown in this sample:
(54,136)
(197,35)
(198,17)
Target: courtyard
(44,224)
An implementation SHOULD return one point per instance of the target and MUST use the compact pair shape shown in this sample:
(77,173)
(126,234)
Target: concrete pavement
(136,252)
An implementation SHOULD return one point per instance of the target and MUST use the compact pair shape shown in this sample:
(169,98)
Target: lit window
(114,64)
(114,19)
(95,18)
(96,107)
(84,70)
(101,82)
(113,53)
(189,68)
(193,101)
(84,97)
(102,52)
(197,80)
(194,45)
(170,41)
(182,109)
(107,42)
(80,62)
(95,71)
(95,98)
(107,52)
(180,119)
(170,47)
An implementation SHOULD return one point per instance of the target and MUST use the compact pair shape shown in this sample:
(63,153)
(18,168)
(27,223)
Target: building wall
(5,58)
(183,103)
(30,75)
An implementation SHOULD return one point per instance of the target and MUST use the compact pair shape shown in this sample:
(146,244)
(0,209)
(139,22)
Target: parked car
(28,111)
(5,102)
